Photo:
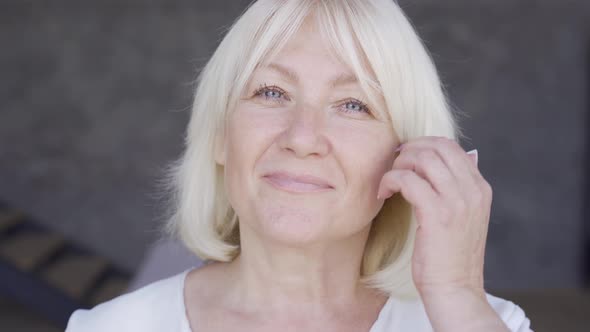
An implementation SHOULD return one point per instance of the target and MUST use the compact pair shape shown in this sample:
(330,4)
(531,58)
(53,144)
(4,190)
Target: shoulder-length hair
(378,43)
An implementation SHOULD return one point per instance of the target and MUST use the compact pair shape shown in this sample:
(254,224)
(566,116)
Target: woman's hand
(452,202)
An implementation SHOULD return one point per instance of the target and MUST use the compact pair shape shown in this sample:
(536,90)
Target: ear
(219,149)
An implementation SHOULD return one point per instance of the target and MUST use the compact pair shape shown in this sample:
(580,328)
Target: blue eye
(356,106)
(271,93)
(275,93)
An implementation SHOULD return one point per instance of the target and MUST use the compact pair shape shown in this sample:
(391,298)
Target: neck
(314,279)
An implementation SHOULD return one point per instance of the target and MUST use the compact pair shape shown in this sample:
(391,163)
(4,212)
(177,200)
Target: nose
(304,134)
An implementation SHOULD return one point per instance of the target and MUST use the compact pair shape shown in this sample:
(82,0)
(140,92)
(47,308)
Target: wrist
(460,309)
(452,294)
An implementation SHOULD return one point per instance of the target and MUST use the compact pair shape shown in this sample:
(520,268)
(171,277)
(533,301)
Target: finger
(428,164)
(470,186)
(412,187)
(457,160)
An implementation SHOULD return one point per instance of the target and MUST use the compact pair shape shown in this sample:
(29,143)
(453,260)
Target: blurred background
(95,98)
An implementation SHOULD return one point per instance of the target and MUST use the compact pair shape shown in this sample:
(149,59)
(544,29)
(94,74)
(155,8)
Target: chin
(293,227)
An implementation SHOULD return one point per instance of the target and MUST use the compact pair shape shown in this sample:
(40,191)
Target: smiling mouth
(297,184)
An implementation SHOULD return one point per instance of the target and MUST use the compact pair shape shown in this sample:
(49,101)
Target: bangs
(334,23)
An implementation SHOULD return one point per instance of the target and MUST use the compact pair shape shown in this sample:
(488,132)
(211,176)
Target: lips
(297,183)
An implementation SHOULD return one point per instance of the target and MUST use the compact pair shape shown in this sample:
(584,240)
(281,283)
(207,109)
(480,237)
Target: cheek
(250,125)
(366,156)
(364,159)
(371,169)
(249,134)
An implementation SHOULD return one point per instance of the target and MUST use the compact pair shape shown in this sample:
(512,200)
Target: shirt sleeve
(112,317)
(512,315)
(153,308)
(80,321)
(123,314)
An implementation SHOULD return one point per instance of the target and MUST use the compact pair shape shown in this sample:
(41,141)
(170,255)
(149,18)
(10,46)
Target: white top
(159,307)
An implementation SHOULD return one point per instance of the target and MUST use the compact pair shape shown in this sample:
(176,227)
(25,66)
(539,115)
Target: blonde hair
(376,40)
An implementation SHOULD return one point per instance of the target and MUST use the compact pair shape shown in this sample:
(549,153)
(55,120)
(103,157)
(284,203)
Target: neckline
(186,327)
(382,313)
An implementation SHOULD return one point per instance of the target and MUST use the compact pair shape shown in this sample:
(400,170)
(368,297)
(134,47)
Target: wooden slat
(109,289)
(9,219)
(75,275)
(26,250)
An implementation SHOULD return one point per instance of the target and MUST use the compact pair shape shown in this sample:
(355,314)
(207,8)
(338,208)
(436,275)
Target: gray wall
(517,69)
(94,99)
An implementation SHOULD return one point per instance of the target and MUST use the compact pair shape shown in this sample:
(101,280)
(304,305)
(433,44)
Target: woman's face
(303,155)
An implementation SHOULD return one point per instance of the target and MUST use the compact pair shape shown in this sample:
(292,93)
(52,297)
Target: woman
(297,189)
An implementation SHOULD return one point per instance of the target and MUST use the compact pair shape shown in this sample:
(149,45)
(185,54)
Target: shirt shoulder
(158,306)
(410,315)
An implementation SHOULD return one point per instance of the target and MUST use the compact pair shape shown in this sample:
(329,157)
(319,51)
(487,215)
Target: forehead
(291,74)
(307,55)
(310,45)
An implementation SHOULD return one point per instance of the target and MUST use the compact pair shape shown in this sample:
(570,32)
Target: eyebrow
(341,79)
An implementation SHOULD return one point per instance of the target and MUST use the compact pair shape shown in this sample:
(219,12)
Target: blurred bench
(42,271)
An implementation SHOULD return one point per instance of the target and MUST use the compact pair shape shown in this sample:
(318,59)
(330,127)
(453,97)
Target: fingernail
(475,153)
(399,148)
